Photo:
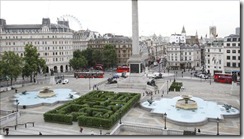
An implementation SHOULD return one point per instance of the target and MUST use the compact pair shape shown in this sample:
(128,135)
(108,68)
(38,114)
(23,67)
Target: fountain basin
(206,111)
(32,99)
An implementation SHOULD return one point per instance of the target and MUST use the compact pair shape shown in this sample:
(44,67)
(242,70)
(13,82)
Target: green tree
(11,65)
(88,55)
(33,64)
(97,57)
(109,56)
(78,61)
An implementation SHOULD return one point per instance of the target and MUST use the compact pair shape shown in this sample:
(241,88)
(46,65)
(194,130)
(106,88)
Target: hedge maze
(95,109)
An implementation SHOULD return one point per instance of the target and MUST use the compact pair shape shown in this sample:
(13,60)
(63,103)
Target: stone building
(54,42)
(122,44)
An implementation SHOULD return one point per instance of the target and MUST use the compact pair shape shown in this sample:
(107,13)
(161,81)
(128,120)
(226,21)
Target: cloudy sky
(159,16)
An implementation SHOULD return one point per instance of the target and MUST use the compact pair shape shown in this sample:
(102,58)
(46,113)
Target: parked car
(65,81)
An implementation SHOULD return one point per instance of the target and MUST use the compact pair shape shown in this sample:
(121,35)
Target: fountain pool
(31,98)
(206,110)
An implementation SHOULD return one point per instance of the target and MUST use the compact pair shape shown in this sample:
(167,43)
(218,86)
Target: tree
(11,65)
(33,64)
(109,55)
(97,57)
(88,56)
(78,61)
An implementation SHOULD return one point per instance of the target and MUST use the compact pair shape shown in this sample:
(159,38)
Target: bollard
(25,125)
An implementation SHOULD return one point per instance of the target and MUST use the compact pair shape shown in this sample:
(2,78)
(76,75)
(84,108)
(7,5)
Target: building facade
(54,42)
(214,57)
(232,54)
(122,44)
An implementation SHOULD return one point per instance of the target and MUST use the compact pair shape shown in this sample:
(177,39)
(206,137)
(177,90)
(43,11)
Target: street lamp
(217,125)
(101,130)
(167,87)
(17,103)
(120,115)
(165,115)
(89,80)
(210,78)
(182,74)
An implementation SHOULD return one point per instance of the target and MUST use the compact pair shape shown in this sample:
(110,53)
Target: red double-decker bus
(93,74)
(223,78)
(121,69)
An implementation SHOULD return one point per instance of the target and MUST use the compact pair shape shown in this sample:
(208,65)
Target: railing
(15,126)
(10,116)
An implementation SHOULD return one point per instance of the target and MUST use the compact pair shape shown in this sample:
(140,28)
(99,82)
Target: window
(238,44)
(219,50)
(228,51)
(233,64)
(228,44)
(233,51)
(239,65)
(233,57)
(238,57)
(208,61)
(228,57)
(239,51)
(228,64)
(233,44)
(234,39)
(219,61)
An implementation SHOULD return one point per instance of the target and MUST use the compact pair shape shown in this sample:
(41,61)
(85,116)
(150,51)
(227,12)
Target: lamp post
(17,103)
(191,74)
(120,115)
(182,74)
(210,78)
(217,125)
(165,115)
(101,130)
(167,87)
(89,80)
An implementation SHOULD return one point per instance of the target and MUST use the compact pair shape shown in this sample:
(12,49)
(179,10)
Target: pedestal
(135,64)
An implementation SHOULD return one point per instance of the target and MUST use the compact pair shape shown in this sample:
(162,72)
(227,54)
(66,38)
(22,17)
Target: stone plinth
(135,81)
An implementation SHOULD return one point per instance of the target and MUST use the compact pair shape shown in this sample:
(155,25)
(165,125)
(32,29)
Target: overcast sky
(159,17)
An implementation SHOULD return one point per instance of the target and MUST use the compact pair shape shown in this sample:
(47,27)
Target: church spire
(183,30)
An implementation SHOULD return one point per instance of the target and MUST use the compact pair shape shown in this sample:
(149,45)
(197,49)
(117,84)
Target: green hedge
(176,85)
(95,108)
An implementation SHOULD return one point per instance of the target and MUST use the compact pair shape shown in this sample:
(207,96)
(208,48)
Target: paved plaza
(218,92)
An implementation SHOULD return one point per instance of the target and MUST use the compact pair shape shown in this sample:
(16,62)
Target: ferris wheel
(74,23)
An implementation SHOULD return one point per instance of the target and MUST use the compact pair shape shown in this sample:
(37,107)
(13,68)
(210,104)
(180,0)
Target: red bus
(121,69)
(98,67)
(90,74)
(223,78)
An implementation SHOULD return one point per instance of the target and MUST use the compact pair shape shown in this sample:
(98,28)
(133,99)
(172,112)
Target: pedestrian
(7,131)
(199,130)
(40,133)
(81,129)
(16,90)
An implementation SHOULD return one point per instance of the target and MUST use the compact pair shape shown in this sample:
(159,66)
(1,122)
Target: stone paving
(193,86)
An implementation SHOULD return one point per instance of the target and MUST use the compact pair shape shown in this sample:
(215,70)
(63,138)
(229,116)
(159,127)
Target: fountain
(186,103)
(45,96)
(46,92)
(189,110)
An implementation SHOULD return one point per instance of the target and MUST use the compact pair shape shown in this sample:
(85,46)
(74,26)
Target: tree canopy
(33,64)
(10,65)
